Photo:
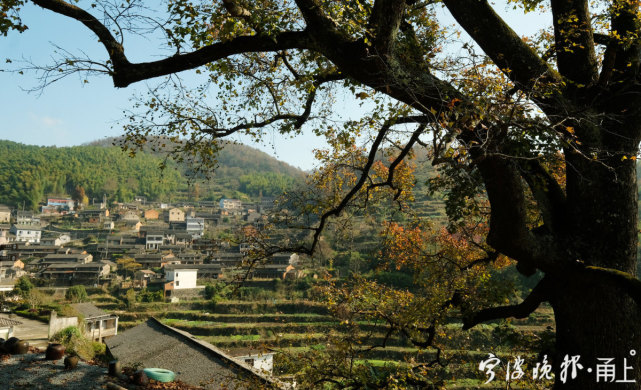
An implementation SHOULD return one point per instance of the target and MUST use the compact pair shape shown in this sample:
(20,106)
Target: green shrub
(217,291)
(75,343)
(23,285)
(65,335)
(98,348)
(76,294)
(130,297)
(150,296)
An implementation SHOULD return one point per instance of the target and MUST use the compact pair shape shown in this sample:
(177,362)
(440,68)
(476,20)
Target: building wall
(261,362)
(229,204)
(151,214)
(6,333)
(56,324)
(183,278)
(98,329)
(176,215)
(32,236)
(5,216)
(188,293)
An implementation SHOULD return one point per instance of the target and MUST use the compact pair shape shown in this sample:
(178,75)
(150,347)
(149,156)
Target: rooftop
(7,322)
(88,310)
(195,362)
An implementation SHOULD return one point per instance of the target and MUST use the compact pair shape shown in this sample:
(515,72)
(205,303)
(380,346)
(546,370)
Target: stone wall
(187,293)
(56,324)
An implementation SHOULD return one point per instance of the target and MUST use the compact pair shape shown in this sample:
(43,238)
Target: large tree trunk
(595,320)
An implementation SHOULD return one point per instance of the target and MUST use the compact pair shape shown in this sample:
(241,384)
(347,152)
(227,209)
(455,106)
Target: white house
(153,240)
(194,225)
(261,361)
(58,240)
(26,233)
(230,204)
(182,278)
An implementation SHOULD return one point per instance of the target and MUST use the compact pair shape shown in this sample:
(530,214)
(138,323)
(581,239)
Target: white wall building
(196,226)
(25,233)
(182,278)
(231,204)
(153,240)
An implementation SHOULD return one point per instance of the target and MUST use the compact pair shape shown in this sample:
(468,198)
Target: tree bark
(595,322)
(599,321)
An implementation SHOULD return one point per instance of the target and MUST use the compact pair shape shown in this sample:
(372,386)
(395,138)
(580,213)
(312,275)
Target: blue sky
(70,112)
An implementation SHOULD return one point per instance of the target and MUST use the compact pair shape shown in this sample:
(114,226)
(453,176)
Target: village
(172,247)
(169,253)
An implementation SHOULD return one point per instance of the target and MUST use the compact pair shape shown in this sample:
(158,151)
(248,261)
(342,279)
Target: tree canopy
(538,135)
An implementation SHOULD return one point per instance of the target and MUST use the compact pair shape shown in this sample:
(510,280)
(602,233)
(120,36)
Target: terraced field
(296,326)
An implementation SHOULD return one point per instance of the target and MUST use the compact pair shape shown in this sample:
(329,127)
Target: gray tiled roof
(6,322)
(195,362)
(88,310)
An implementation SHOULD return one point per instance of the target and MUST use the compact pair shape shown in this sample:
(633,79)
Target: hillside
(29,173)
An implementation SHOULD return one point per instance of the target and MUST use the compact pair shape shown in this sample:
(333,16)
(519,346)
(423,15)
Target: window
(250,362)
(177,283)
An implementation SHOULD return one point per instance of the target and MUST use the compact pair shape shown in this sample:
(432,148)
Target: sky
(70,112)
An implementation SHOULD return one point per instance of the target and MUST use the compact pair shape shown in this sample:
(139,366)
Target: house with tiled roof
(195,362)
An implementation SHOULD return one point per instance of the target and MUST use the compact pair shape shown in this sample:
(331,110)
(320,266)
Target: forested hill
(234,159)
(30,173)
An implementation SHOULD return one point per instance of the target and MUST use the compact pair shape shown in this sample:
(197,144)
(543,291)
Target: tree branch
(316,19)
(126,73)
(385,22)
(539,294)
(576,57)
(389,181)
(625,26)
(344,202)
(549,195)
(612,277)
(236,10)
(114,48)
(515,58)
(509,233)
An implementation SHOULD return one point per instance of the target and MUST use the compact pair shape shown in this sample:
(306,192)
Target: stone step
(38,343)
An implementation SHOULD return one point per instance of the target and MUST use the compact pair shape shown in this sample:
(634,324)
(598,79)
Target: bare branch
(114,48)
(126,73)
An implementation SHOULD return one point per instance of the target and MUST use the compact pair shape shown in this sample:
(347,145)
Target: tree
(23,285)
(80,196)
(130,297)
(497,123)
(76,294)
(128,264)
